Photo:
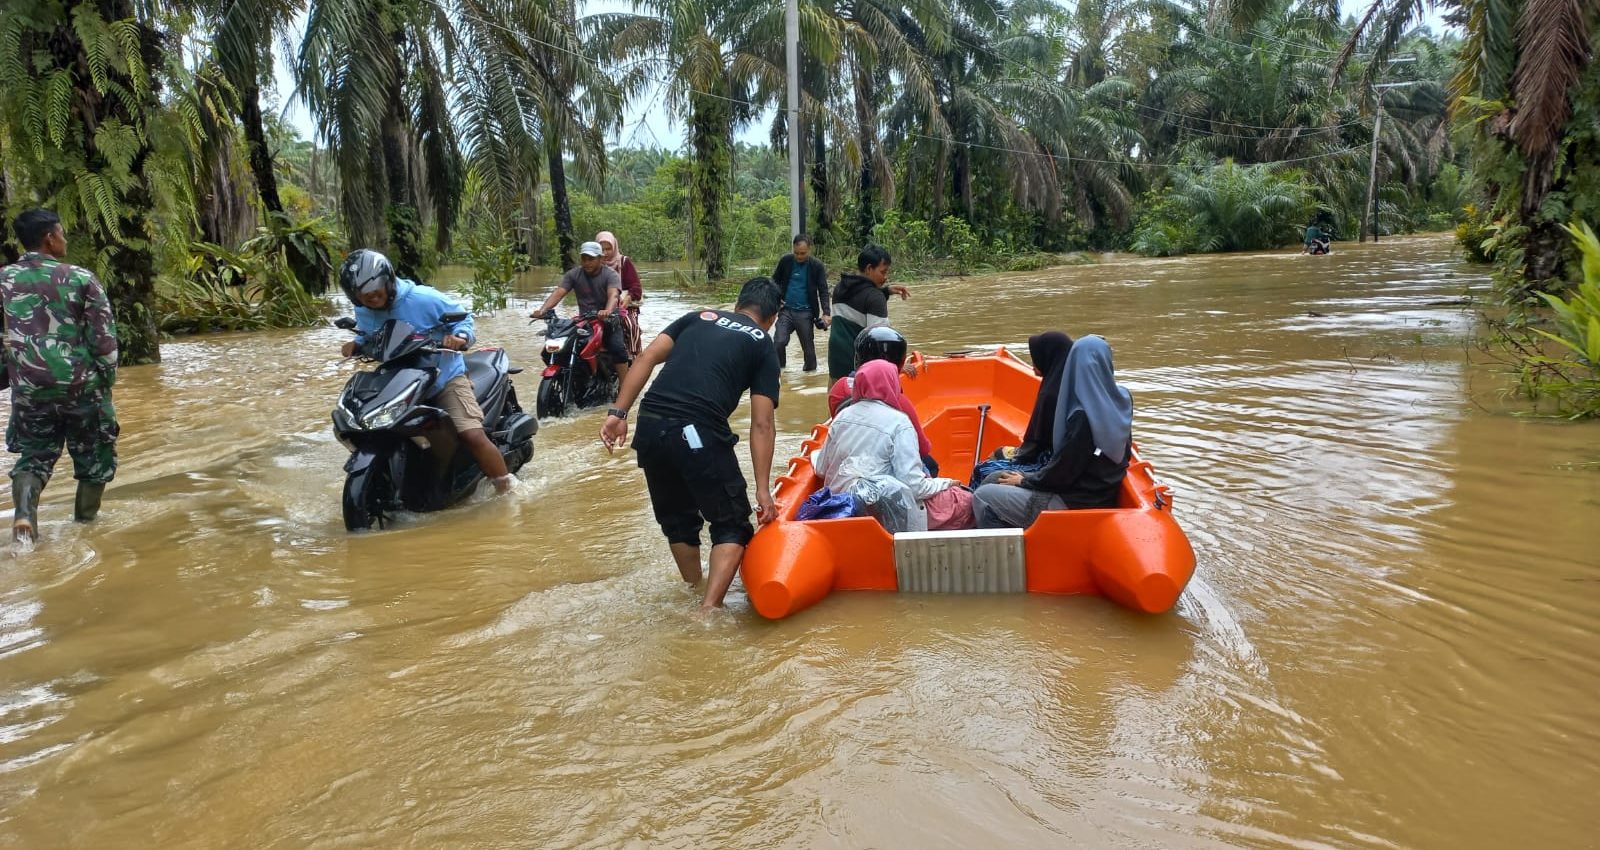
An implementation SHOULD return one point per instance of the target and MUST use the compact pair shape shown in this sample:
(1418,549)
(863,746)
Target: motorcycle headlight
(553,345)
(391,411)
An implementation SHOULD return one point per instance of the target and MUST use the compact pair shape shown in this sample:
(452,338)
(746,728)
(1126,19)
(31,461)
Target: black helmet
(365,270)
(880,343)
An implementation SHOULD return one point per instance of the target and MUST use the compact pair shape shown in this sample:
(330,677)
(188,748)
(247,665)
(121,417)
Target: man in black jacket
(805,301)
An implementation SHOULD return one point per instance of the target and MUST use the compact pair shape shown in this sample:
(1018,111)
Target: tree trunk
(305,269)
(710,129)
(1544,259)
(866,143)
(255,135)
(131,283)
(819,185)
(402,217)
(563,205)
(10,252)
(531,225)
(964,180)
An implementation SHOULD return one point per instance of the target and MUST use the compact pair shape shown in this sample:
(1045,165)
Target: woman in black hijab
(1091,432)
(1049,351)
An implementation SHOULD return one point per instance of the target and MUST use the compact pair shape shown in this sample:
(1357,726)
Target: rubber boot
(25,490)
(87,503)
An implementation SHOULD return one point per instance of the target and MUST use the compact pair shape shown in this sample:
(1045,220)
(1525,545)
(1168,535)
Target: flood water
(1390,641)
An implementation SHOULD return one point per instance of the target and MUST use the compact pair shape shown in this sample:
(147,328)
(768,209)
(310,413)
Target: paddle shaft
(983,419)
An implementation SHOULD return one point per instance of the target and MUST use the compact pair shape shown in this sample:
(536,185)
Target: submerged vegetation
(1563,363)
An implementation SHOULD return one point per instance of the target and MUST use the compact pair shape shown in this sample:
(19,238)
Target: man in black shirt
(683,441)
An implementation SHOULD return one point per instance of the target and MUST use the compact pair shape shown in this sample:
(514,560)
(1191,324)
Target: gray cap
(590,249)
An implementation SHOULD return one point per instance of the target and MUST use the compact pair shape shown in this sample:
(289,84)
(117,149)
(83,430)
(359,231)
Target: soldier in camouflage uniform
(61,358)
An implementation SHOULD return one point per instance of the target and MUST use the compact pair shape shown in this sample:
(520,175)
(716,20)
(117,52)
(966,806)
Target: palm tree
(1523,64)
(692,45)
(362,66)
(245,33)
(80,104)
(532,97)
(1005,114)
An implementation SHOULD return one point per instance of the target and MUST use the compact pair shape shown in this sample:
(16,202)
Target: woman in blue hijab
(1092,435)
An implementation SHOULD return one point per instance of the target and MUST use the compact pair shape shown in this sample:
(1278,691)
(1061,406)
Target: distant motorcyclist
(1317,240)
(598,287)
(369,279)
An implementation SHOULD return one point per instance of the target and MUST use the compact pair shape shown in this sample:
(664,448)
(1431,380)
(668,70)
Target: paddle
(983,419)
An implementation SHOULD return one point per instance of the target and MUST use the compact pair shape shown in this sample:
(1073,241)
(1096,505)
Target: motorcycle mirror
(452,318)
(345,323)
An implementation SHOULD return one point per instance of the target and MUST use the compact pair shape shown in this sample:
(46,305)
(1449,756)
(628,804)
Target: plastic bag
(1002,462)
(826,504)
(891,502)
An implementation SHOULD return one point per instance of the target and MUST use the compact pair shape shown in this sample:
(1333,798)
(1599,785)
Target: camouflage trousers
(87,424)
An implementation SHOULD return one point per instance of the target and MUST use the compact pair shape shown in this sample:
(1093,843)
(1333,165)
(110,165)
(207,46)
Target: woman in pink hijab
(632,292)
(872,453)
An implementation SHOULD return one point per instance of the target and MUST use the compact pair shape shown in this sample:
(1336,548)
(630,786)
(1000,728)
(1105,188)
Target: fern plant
(81,124)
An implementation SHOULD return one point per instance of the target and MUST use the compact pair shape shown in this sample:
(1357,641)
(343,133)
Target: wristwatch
(618,412)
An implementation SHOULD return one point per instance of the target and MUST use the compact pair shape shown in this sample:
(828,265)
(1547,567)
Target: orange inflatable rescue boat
(1134,553)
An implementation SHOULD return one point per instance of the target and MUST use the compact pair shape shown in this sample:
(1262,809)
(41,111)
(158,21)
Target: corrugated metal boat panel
(985,561)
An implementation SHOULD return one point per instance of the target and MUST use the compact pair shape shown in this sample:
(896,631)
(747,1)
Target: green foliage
(1474,230)
(218,289)
(1577,316)
(1164,228)
(910,241)
(1573,379)
(647,207)
(960,244)
(1529,191)
(305,247)
(495,264)
(1225,207)
(405,241)
(85,131)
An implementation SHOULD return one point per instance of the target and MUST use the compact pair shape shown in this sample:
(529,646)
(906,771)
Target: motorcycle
(578,372)
(404,454)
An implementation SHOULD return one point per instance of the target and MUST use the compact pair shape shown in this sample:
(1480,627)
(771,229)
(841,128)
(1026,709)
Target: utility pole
(792,49)
(1370,208)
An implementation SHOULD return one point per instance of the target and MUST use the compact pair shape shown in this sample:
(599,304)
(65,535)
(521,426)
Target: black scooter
(403,452)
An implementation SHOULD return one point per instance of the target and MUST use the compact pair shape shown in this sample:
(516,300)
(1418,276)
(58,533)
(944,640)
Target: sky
(647,122)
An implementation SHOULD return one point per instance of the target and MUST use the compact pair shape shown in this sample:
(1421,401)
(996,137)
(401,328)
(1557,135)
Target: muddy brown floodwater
(1390,641)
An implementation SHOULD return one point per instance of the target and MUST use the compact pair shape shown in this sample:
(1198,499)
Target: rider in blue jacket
(368,278)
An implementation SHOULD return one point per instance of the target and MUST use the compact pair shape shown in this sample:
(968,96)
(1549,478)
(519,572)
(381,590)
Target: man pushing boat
(683,442)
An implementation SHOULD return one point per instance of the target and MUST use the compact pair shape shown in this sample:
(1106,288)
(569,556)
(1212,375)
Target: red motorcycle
(578,372)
